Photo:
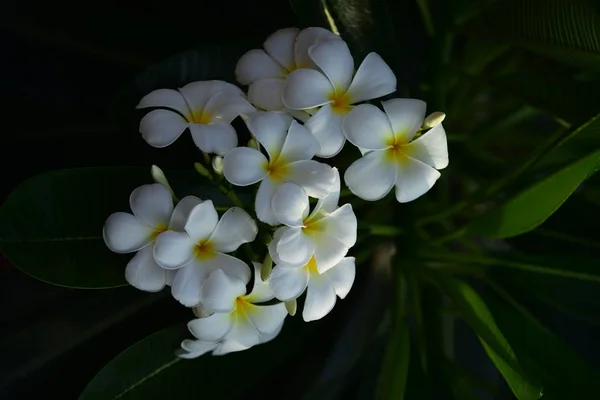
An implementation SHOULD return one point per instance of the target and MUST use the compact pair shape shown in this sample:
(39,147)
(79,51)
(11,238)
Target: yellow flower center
(397,151)
(201,117)
(204,250)
(277,169)
(157,231)
(312,265)
(340,102)
(313,226)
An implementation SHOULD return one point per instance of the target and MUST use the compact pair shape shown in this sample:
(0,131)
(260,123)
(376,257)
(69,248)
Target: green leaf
(479,317)
(392,383)
(535,204)
(565,30)
(150,369)
(51,225)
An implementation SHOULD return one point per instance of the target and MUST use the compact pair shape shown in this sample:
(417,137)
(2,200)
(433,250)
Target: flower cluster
(302,101)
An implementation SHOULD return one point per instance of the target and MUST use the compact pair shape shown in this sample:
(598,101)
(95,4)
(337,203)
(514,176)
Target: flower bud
(201,169)
(266,268)
(200,311)
(433,119)
(253,144)
(217,164)
(159,176)
(291,307)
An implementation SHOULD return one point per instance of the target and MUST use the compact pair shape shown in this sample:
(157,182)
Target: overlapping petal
(368,127)
(290,205)
(280,46)
(234,228)
(406,116)
(431,148)
(244,166)
(255,65)
(373,79)
(263,201)
(372,176)
(266,94)
(307,38)
(288,283)
(415,178)
(152,204)
(168,98)
(202,221)
(173,249)
(326,127)
(219,292)
(216,138)
(125,233)
(342,276)
(299,144)
(270,129)
(144,273)
(306,88)
(211,328)
(320,298)
(314,177)
(160,128)
(334,59)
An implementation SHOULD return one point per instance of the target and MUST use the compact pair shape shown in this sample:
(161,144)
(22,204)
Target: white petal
(303,116)
(299,144)
(231,266)
(244,166)
(230,346)
(225,107)
(373,79)
(288,283)
(431,148)
(320,298)
(330,202)
(305,39)
(187,283)
(290,205)
(160,128)
(170,276)
(266,319)
(261,291)
(182,211)
(273,245)
(195,348)
(144,273)
(152,204)
(372,176)
(270,129)
(266,94)
(329,251)
(295,247)
(280,46)
(414,179)
(168,98)
(342,224)
(267,337)
(235,228)
(326,126)
(263,201)
(334,59)
(197,94)
(368,127)
(256,65)
(342,276)
(314,177)
(173,249)
(219,292)
(214,138)
(124,233)
(243,335)
(306,88)
(202,221)
(406,116)
(211,328)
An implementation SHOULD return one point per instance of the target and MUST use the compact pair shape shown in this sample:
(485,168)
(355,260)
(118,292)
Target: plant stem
(426,15)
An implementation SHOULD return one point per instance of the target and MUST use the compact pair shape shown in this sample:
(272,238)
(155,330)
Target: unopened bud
(291,307)
(253,144)
(217,164)
(201,312)
(266,268)
(159,176)
(433,119)
(201,169)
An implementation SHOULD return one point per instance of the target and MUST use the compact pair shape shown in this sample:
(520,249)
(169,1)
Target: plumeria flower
(200,249)
(206,108)
(289,282)
(266,70)
(240,323)
(153,213)
(290,147)
(326,234)
(335,88)
(392,157)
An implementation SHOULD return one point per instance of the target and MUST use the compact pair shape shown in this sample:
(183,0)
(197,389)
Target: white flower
(325,234)
(265,70)
(199,250)
(290,147)
(206,108)
(153,213)
(289,282)
(335,88)
(242,323)
(391,158)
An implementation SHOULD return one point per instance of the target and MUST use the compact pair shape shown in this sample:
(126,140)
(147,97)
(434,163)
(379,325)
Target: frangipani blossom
(335,88)
(199,250)
(242,323)
(326,234)
(153,213)
(266,70)
(289,282)
(290,147)
(206,108)
(391,158)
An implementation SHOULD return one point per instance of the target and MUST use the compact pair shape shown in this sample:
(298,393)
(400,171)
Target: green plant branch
(426,15)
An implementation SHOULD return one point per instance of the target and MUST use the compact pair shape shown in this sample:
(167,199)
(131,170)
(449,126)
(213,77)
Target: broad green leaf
(394,371)
(51,225)
(565,30)
(150,369)
(478,316)
(563,374)
(535,204)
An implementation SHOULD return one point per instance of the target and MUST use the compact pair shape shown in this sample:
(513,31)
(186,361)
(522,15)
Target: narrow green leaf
(394,371)
(51,225)
(150,369)
(535,204)
(478,316)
